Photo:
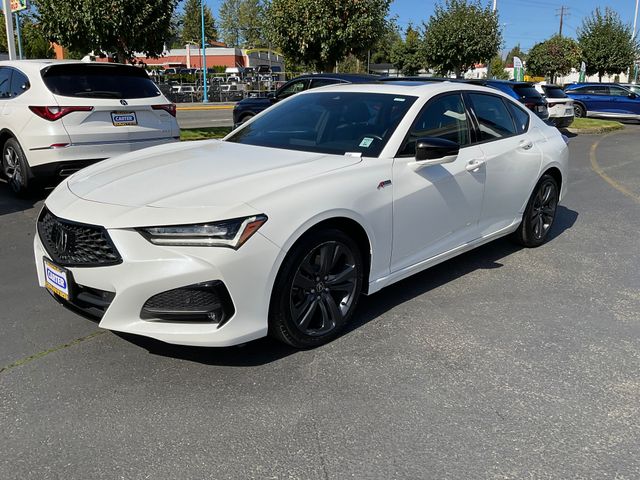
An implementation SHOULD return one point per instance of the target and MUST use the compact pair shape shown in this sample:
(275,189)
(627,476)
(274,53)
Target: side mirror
(632,95)
(435,151)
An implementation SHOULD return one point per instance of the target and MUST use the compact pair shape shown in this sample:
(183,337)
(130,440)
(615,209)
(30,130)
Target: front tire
(15,168)
(539,214)
(317,289)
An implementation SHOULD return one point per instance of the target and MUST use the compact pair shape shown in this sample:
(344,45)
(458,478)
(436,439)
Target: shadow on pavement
(265,350)
(10,203)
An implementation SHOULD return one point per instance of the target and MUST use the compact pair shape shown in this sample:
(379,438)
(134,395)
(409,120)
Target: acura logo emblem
(124,102)
(60,239)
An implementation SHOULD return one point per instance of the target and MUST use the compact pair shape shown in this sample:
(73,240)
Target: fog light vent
(203,302)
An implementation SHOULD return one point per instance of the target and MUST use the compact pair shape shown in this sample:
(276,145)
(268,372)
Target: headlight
(227,233)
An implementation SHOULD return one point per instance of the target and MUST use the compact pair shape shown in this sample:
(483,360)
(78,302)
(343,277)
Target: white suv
(57,117)
(560,106)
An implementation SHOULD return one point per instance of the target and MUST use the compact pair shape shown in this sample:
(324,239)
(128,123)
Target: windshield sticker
(366,141)
(399,99)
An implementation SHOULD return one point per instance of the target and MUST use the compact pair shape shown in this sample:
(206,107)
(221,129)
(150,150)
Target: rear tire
(579,110)
(15,168)
(540,213)
(317,289)
(245,119)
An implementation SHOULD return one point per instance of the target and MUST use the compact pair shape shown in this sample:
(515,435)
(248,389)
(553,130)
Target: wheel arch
(556,174)
(6,134)
(353,227)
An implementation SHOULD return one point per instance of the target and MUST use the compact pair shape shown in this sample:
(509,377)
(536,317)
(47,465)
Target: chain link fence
(221,87)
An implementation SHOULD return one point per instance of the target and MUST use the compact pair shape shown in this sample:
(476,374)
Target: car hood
(254,101)
(199,174)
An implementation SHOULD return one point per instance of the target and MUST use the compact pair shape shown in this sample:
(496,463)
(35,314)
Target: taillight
(530,106)
(54,113)
(170,108)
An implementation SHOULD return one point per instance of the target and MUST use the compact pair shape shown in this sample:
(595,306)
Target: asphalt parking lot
(502,363)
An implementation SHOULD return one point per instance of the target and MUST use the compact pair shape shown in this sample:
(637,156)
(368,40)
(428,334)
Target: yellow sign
(18,5)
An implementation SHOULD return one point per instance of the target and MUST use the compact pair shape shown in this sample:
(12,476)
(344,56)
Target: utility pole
(562,12)
(495,7)
(8,22)
(205,93)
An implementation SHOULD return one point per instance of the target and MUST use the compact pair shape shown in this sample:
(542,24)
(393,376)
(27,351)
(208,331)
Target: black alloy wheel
(579,110)
(317,289)
(14,167)
(540,213)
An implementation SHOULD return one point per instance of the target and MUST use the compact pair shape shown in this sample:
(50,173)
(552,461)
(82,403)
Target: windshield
(93,80)
(328,122)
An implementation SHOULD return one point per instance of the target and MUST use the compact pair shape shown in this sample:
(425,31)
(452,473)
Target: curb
(595,130)
(206,107)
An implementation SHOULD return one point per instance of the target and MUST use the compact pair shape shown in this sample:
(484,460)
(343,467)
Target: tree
(498,68)
(381,51)
(230,22)
(460,34)
(323,32)
(515,52)
(408,55)
(607,44)
(252,24)
(191,20)
(553,57)
(34,42)
(120,27)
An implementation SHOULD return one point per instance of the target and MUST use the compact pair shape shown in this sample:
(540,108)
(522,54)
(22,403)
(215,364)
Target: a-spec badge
(383,184)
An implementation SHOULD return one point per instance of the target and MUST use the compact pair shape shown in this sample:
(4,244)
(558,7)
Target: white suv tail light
(54,113)
(171,108)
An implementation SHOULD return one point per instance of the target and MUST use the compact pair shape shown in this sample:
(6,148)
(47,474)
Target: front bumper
(147,270)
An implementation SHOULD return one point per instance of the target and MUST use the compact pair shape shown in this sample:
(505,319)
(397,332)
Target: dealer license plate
(56,279)
(122,119)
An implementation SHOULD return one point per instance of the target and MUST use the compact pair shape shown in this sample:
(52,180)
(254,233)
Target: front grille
(72,244)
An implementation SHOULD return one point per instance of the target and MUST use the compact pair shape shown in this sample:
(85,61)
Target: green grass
(203,133)
(595,124)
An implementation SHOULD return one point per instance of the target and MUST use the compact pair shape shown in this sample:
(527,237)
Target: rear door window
(19,84)
(99,81)
(618,91)
(494,120)
(520,117)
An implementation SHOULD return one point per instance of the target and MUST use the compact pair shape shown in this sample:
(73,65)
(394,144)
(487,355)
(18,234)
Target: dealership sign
(18,5)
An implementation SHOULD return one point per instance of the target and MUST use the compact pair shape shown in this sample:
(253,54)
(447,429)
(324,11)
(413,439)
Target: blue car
(603,100)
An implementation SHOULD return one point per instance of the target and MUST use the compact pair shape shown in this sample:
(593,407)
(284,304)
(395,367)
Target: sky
(526,22)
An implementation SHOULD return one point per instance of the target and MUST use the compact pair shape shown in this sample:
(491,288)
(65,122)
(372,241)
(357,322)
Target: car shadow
(264,351)
(10,203)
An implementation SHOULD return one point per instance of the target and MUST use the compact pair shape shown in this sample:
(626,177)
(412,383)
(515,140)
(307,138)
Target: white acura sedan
(279,228)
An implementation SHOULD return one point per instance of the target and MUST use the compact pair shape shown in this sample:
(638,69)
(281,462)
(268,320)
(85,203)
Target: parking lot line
(41,354)
(596,168)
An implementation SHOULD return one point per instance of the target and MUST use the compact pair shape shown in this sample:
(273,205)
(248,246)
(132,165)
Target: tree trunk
(600,75)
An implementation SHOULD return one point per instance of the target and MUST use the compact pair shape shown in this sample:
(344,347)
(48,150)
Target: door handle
(474,165)
(526,144)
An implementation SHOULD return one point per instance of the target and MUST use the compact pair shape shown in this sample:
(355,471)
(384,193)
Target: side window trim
(9,79)
(511,105)
(470,129)
(477,136)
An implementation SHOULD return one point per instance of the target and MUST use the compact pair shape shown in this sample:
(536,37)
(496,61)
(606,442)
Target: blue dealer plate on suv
(121,119)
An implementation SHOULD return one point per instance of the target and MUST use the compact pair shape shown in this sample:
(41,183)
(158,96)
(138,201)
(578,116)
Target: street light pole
(635,21)
(8,22)
(205,96)
(495,7)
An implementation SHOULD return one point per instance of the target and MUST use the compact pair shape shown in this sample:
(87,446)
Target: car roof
(34,66)
(415,89)
(500,82)
(416,79)
(347,77)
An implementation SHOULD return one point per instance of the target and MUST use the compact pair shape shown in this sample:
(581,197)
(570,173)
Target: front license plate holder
(124,119)
(57,279)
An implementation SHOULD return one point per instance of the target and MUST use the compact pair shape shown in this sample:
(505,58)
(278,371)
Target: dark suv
(249,107)
(524,92)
